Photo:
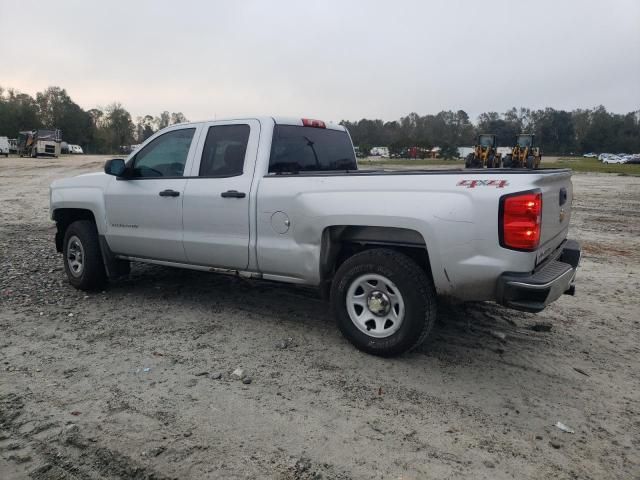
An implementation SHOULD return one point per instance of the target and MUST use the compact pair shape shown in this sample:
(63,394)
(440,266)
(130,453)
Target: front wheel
(82,257)
(468,162)
(383,302)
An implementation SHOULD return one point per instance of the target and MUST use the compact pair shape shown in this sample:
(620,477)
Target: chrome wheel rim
(75,256)
(375,305)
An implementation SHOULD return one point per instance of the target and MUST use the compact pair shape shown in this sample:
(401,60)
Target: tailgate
(557,196)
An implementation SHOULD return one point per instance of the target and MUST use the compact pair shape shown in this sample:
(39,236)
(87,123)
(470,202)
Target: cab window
(224,151)
(165,156)
(309,149)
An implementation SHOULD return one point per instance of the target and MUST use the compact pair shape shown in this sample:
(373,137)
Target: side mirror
(115,167)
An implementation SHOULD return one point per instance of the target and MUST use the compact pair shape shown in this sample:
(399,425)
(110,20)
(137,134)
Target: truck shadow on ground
(459,327)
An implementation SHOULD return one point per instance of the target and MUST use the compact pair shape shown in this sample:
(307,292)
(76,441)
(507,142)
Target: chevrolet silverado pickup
(282,199)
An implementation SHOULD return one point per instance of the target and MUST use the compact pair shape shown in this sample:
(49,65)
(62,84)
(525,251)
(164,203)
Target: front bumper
(532,292)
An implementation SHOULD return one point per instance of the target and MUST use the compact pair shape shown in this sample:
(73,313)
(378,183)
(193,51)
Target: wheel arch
(65,217)
(340,242)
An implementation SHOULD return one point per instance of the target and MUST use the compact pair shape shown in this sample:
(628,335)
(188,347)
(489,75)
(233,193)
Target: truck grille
(49,149)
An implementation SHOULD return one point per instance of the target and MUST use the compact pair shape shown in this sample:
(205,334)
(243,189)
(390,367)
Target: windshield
(486,141)
(524,141)
(310,149)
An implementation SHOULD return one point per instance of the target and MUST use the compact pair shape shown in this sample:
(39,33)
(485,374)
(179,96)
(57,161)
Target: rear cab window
(297,149)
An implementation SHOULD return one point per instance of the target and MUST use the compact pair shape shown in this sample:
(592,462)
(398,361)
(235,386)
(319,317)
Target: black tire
(531,162)
(508,161)
(92,275)
(416,290)
(468,162)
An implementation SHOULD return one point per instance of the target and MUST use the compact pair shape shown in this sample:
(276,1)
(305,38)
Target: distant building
(504,150)
(380,152)
(464,151)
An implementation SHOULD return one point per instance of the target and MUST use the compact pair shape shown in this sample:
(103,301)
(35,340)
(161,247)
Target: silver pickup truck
(283,199)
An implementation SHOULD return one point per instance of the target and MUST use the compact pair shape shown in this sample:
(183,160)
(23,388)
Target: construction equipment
(32,143)
(525,154)
(485,153)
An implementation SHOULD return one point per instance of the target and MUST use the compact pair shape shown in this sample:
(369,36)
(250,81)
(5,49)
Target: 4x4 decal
(483,183)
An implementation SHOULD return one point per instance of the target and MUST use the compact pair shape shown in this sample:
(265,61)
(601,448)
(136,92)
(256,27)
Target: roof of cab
(278,120)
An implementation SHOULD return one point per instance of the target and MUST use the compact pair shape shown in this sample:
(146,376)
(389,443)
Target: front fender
(80,198)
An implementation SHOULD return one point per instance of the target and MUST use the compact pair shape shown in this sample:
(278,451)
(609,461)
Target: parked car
(590,155)
(75,149)
(614,159)
(282,199)
(4,146)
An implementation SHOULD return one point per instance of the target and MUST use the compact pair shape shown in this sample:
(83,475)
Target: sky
(332,60)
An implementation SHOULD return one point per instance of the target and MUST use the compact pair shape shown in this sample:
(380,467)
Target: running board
(224,271)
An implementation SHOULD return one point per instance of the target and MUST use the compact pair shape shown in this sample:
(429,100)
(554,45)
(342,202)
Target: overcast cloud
(332,60)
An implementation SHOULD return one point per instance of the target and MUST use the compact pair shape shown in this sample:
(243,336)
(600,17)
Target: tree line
(106,130)
(98,130)
(558,132)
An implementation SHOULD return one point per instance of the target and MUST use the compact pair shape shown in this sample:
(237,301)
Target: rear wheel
(82,257)
(531,162)
(383,302)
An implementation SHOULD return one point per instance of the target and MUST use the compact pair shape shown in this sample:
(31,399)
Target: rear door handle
(169,193)
(233,194)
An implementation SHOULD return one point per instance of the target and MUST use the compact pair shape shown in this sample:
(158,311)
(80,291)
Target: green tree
(57,110)
(178,117)
(18,111)
(449,152)
(144,128)
(163,120)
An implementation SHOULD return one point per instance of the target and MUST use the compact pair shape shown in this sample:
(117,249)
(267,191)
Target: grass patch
(578,164)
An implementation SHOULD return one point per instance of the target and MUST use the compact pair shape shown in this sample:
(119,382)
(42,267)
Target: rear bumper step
(532,292)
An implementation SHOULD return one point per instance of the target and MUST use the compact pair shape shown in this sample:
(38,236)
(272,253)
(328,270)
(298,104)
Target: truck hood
(91,180)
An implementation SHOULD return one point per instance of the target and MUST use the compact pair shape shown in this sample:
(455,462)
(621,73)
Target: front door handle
(169,193)
(233,194)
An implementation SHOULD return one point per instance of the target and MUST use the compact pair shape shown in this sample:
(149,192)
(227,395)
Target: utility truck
(35,143)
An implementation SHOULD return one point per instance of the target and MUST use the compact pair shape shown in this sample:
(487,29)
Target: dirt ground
(124,383)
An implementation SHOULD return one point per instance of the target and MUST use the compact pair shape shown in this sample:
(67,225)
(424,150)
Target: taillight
(521,221)
(310,122)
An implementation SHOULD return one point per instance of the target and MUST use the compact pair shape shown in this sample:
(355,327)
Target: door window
(224,150)
(165,156)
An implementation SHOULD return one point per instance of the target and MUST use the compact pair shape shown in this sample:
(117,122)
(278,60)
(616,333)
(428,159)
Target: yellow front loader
(485,153)
(525,154)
